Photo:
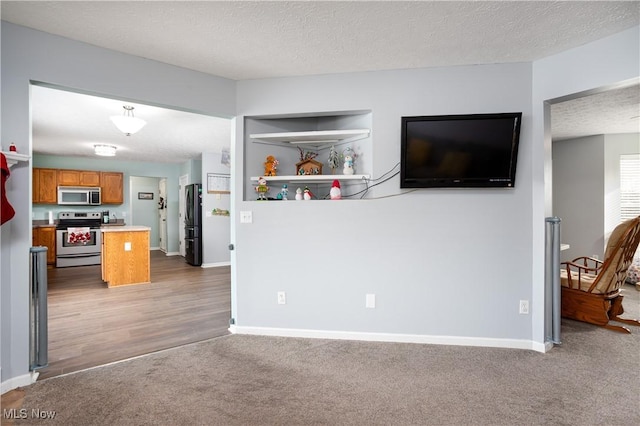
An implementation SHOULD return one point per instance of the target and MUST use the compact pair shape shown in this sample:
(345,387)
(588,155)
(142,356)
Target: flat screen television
(460,151)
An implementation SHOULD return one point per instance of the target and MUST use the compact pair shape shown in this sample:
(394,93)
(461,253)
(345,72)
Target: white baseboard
(390,337)
(172,253)
(215,264)
(16,382)
(154,248)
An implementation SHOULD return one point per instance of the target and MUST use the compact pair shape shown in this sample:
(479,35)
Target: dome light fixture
(105,150)
(127,123)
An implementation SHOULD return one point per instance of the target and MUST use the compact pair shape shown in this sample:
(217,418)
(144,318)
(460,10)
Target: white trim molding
(392,337)
(215,264)
(16,382)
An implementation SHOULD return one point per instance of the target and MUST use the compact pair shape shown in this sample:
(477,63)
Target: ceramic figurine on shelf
(298,194)
(307,194)
(334,160)
(349,157)
(262,189)
(270,166)
(335,193)
(348,165)
(284,193)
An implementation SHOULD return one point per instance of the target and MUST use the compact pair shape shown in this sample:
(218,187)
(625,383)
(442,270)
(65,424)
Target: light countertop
(125,228)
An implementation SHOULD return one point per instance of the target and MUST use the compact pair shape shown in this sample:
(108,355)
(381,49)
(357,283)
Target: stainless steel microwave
(79,196)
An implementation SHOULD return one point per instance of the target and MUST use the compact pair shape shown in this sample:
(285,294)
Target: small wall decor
(145,195)
(225,157)
(220,212)
(270,166)
(309,167)
(218,183)
(262,189)
(349,157)
(334,159)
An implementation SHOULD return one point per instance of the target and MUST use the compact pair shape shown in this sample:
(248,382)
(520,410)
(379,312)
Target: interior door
(184,180)
(162,213)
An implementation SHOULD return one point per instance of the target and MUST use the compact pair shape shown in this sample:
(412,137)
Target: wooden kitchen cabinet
(45,190)
(112,185)
(78,178)
(46,236)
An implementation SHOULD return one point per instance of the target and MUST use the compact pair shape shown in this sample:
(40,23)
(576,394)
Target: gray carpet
(592,378)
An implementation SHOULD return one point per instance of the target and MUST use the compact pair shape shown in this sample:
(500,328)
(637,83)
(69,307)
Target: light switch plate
(246,216)
(127,246)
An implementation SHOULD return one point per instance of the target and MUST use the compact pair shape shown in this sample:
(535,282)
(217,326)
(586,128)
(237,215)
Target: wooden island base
(125,255)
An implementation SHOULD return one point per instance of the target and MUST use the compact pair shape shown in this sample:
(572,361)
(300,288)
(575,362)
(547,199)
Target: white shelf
(311,178)
(13,158)
(313,137)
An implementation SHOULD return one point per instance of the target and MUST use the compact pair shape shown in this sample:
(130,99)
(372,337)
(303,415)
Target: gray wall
(599,65)
(144,212)
(409,250)
(578,194)
(29,55)
(216,230)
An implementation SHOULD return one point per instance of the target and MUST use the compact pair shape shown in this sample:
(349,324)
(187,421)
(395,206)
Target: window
(629,186)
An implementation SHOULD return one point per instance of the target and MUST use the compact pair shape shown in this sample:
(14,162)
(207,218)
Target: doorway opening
(89,324)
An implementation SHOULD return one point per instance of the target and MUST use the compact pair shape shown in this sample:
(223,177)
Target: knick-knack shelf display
(305,155)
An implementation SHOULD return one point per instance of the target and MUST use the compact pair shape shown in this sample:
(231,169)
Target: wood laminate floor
(91,325)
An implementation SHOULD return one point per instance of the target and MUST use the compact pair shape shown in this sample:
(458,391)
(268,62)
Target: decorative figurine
(307,165)
(270,166)
(298,194)
(284,192)
(307,193)
(348,165)
(334,160)
(349,157)
(262,189)
(335,193)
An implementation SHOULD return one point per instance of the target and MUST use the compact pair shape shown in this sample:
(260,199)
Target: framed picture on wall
(145,195)
(218,183)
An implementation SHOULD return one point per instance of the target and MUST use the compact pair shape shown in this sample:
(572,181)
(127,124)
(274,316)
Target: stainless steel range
(78,239)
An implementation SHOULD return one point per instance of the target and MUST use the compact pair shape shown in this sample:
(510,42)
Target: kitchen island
(125,255)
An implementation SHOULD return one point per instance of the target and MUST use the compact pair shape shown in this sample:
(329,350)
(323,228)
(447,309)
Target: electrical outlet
(370,301)
(524,307)
(282,298)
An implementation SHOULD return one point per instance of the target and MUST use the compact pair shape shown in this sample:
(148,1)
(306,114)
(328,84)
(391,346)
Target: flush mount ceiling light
(127,123)
(105,150)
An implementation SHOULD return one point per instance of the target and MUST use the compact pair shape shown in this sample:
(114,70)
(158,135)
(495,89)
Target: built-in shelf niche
(285,136)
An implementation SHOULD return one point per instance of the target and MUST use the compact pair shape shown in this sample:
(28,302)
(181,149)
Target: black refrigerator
(193,224)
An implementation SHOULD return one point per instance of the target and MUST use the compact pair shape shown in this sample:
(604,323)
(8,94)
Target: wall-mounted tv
(460,151)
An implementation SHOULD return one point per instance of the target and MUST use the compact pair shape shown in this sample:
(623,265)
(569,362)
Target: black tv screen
(460,151)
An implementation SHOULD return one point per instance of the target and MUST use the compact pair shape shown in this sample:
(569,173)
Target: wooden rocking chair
(591,288)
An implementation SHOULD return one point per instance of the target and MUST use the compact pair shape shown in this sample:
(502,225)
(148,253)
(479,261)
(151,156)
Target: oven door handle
(69,256)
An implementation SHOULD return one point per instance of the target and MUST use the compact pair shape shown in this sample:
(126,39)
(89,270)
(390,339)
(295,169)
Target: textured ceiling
(612,111)
(247,40)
